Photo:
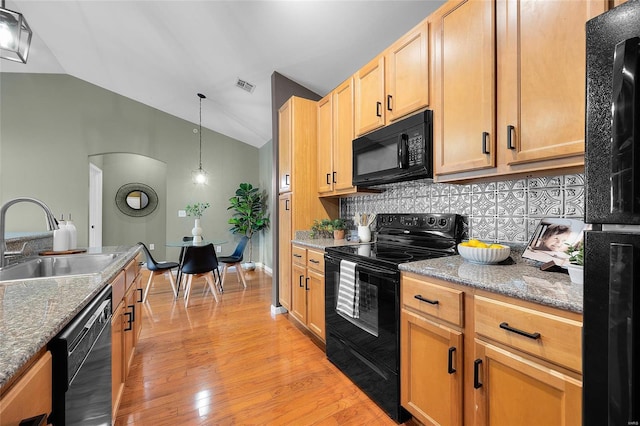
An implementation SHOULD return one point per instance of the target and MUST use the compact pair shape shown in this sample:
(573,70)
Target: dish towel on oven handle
(348,290)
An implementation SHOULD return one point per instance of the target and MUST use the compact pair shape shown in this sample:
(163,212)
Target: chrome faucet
(52,224)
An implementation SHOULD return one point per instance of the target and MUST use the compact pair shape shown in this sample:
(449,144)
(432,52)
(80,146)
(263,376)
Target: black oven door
(365,346)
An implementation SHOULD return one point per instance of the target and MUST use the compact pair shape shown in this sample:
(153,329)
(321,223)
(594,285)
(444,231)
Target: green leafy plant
(250,212)
(197,209)
(338,224)
(576,253)
(325,227)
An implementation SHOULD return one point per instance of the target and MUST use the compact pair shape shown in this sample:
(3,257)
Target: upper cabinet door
(343,136)
(541,78)
(407,73)
(325,144)
(464,136)
(284,147)
(369,94)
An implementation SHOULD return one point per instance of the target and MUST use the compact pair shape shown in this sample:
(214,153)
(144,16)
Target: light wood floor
(233,363)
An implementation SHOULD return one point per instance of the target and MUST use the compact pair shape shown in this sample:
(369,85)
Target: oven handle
(364,268)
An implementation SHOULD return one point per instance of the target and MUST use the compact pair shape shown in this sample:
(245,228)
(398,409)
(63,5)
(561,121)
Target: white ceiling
(163,52)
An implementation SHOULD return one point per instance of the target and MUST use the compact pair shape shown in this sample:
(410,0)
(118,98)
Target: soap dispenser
(61,236)
(73,234)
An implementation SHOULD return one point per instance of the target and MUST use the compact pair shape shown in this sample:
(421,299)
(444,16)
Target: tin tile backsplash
(506,211)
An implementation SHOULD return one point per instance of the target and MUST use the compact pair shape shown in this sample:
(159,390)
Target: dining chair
(235,259)
(158,268)
(180,259)
(200,261)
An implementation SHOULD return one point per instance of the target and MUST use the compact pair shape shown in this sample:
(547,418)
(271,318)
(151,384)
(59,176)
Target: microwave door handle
(403,151)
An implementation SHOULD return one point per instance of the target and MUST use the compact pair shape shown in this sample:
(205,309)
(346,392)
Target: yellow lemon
(473,243)
(482,245)
(496,246)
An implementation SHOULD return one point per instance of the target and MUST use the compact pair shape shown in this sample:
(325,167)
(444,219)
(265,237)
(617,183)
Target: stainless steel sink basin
(56,266)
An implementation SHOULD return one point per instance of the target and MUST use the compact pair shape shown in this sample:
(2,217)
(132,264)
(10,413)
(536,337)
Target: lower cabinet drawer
(315,260)
(437,301)
(550,337)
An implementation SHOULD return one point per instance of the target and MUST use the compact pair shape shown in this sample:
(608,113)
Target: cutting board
(54,253)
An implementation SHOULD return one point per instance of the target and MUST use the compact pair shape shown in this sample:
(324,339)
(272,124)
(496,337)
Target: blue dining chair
(158,268)
(200,261)
(235,259)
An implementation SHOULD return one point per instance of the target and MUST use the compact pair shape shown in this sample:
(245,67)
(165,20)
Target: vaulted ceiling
(163,52)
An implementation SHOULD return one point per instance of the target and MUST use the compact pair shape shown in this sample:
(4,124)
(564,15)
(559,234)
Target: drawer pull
(297,255)
(422,299)
(301,278)
(534,336)
(378,107)
(314,261)
(140,295)
(476,374)
(129,326)
(450,368)
(306,283)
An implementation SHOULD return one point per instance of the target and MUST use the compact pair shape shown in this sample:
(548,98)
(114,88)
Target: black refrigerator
(612,205)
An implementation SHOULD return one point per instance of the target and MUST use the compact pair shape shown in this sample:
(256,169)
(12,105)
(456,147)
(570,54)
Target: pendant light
(15,35)
(200,176)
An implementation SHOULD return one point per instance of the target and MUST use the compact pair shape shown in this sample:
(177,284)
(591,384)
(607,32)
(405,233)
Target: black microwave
(398,152)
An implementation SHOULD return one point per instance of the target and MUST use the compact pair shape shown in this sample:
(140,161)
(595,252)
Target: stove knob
(442,222)
(431,220)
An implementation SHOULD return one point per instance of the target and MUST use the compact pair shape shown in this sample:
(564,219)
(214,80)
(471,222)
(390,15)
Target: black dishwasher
(82,366)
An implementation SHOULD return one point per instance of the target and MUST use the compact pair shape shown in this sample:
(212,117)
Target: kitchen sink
(57,266)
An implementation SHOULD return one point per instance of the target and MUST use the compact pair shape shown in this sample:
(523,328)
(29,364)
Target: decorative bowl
(484,256)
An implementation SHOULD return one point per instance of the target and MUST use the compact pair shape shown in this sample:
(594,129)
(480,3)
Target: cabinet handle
(450,368)
(300,281)
(286,180)
(389,101)
(334,177)
(140,295)
(133,312)
(314,261)
(422,299)
(39,420)
(510,130)
(485,144)
(306,283)
(129,321)
(505,326)
(378,108)
(476,374)
(286,204)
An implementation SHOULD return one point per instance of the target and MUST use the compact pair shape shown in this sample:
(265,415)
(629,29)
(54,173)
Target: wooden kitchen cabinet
(335,137)
(284,151)
(299,205)
(30,395)
(431,352)
(510,386)
(509,101)
(307,299)
(514,361)
(126,325)
(395,83)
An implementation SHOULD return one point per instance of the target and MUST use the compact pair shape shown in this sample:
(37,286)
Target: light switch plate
(218,249)
(152,246)
(182,213)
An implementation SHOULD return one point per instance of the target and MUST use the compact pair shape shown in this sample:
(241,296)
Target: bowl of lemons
(476,251)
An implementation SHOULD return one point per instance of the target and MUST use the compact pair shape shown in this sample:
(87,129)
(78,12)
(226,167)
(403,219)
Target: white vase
(364,233)
(576,273)
(197,232)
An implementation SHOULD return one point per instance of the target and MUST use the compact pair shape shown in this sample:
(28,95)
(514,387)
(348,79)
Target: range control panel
(419,221)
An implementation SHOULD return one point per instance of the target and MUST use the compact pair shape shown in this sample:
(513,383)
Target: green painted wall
(51,123)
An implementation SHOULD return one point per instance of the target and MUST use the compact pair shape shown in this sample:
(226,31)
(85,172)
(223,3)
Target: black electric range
(362,299)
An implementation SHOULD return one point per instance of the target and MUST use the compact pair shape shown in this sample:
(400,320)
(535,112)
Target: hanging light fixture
(15,35)
(200,176)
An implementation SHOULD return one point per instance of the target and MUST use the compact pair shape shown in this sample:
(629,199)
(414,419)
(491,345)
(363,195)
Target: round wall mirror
(136,199)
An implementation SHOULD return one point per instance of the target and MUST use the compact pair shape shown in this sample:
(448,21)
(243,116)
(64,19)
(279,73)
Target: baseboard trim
(278,310)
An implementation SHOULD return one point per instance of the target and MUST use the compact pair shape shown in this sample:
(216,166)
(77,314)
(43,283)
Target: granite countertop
(521,279)
(32,312)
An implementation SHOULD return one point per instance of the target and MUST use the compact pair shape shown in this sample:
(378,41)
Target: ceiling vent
(245,85)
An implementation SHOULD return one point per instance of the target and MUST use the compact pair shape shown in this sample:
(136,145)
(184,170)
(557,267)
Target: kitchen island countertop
(32,312)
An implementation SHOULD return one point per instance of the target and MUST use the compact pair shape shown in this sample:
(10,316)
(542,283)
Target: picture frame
(551,239)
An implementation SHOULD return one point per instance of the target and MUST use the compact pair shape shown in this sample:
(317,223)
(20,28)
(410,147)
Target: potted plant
(576,262)
(196,210)
(250,215)
(338,229)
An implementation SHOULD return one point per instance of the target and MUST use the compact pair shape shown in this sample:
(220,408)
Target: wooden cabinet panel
(325,144)
(284,250)
(407,73)
(299,293)
(440,302)
(511,389)
(464,119)
(117,357)
(30,395)
(369,95)
(130,312)
(284,144)
(299,255)
(343,136)
(431,370)
(554,338)
(315,260)
(315,303)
